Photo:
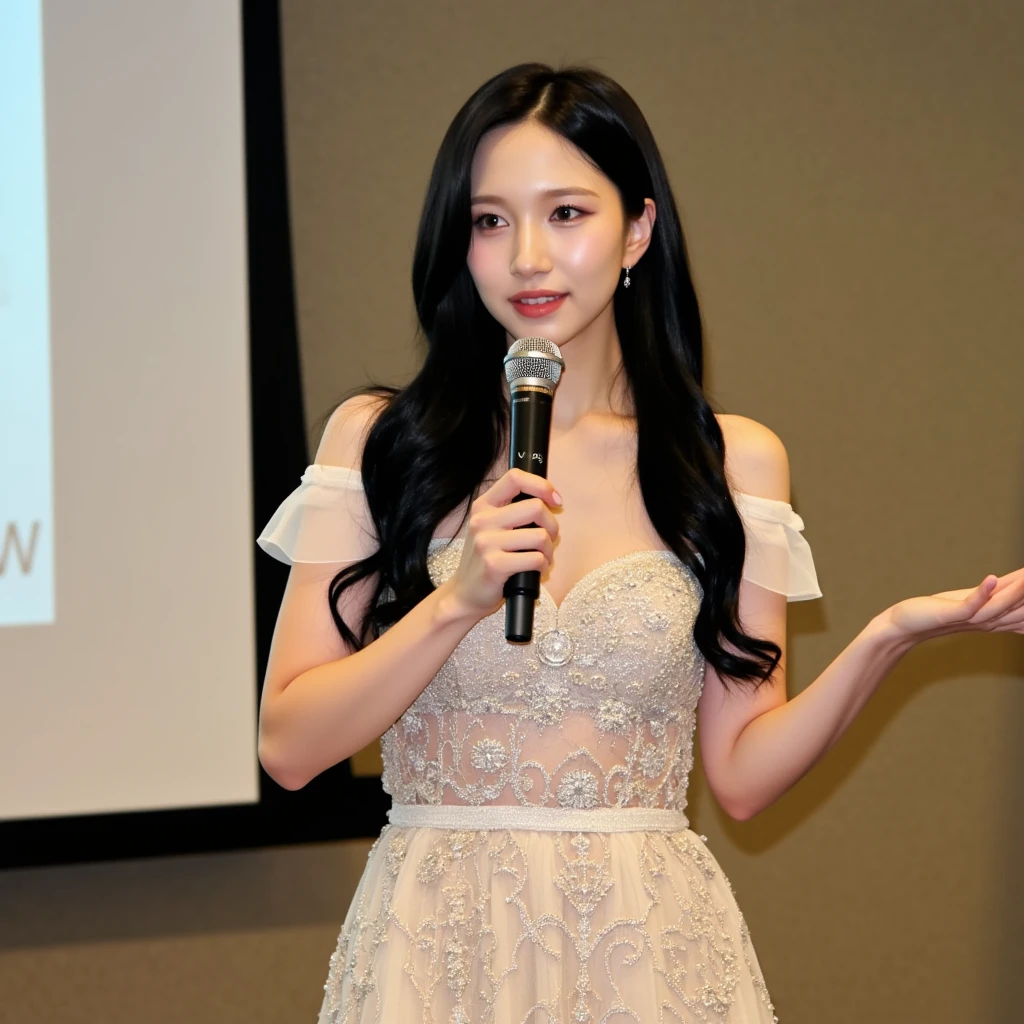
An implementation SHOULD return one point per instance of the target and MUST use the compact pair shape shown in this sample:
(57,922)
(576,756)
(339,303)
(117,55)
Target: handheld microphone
(533,367)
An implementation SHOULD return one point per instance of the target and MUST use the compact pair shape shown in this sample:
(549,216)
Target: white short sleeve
(325,519)
(778,556)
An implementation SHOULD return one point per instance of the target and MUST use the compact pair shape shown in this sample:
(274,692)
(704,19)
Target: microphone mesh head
(534,357)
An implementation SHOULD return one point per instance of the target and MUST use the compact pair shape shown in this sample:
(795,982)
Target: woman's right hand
(494,549)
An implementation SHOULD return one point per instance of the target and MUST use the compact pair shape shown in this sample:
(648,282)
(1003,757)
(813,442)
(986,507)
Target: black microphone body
(533,367)
(528,450)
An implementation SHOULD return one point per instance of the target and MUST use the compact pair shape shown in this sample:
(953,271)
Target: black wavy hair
(434,440)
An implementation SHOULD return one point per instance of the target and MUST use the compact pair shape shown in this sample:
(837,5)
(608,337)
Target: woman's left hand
(995,605)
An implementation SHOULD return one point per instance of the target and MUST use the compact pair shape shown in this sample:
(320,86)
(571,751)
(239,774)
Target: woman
(538,865)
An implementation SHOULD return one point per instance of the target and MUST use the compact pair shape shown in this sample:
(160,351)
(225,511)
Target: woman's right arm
(321,701)
(312,717)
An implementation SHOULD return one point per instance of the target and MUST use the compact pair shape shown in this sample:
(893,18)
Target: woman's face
(544,220)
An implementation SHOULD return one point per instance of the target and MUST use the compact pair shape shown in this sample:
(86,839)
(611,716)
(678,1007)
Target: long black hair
(435,439)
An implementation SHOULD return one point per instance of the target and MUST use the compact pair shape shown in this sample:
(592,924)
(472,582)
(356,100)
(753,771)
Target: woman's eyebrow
(548,194)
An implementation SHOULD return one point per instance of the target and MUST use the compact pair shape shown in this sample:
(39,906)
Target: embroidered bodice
(598,710)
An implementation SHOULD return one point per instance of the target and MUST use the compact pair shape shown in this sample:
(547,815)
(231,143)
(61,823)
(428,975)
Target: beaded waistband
(537,819)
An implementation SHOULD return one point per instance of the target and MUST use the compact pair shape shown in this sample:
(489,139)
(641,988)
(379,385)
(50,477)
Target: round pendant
(554,648)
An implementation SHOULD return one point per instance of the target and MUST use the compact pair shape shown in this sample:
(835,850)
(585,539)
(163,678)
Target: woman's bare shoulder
(345,433)
(756,461)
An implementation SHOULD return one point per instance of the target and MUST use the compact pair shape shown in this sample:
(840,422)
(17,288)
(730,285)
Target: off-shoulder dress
(538,865)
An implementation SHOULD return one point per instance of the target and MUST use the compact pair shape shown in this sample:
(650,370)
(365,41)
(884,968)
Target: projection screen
(127,665)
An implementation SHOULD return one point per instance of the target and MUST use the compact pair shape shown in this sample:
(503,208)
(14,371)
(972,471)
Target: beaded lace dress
(538,866)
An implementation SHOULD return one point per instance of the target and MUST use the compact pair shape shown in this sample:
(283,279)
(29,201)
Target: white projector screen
(127,664)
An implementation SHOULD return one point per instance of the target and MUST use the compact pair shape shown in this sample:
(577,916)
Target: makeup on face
(547,232)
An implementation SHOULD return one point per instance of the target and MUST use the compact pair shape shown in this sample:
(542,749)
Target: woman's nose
(530,255)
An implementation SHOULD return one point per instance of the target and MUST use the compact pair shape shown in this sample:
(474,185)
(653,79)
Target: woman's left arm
(756,745)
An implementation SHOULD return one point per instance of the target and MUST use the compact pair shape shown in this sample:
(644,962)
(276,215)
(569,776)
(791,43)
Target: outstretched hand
(995,605)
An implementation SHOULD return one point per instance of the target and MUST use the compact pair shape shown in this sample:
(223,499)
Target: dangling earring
(625,284)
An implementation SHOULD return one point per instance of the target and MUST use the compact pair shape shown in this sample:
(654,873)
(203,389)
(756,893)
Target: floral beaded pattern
(514,926)
(462,926)
(597,711)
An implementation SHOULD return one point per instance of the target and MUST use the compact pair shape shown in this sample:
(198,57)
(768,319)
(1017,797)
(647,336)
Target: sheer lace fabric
(778,556)
(325,519)
(484,914)
(525,927)
(598,710)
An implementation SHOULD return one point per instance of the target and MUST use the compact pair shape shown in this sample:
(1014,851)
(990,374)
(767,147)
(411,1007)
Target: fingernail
(557,497)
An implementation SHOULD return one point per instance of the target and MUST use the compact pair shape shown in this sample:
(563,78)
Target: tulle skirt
(512,915)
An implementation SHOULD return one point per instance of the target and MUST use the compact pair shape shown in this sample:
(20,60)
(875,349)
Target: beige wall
(848,178)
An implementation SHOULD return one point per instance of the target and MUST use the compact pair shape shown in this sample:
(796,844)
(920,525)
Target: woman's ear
(638,235)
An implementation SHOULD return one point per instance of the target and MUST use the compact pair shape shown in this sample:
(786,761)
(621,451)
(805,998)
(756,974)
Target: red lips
(536,309)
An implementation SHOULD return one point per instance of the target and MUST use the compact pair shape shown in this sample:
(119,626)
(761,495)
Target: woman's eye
(575,209)
(483,220)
